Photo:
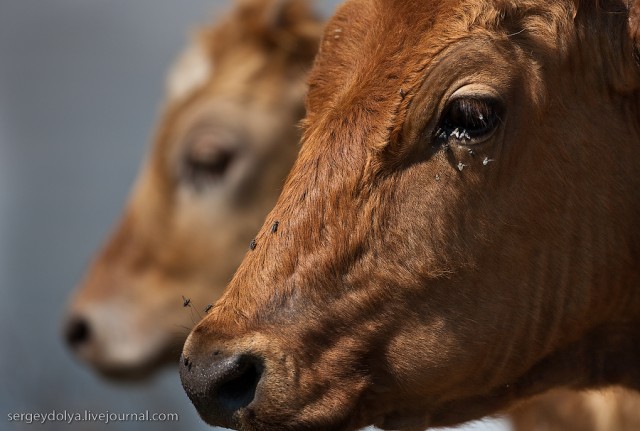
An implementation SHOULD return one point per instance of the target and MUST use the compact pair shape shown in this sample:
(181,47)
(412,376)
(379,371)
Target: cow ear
(634,26)
(281,14)
(286,23)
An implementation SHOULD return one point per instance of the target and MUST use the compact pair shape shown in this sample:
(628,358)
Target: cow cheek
(426,356)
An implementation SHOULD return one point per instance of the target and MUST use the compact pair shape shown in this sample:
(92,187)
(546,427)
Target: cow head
(226,140)
(460,228)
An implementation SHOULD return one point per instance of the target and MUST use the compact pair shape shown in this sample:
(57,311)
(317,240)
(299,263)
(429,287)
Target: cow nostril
(239,389)
(77,332)
(220,385)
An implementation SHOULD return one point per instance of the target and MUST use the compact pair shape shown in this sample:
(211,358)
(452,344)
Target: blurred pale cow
(226,139)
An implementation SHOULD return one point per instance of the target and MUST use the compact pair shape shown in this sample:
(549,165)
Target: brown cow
(460,230)
(226,140)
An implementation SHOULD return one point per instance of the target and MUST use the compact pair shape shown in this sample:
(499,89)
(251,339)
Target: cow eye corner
(469,119)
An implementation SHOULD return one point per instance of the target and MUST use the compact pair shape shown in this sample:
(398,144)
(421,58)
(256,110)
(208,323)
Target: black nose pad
(221,387)
(77,332)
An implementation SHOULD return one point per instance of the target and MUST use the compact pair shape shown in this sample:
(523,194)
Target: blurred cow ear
(289,25)
(276,15)
(281,14)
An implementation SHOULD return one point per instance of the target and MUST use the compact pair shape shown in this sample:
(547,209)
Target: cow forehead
(375,52)
(371,55)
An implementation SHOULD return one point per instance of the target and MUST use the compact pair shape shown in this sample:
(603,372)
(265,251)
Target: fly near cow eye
(468,120)
(206,157)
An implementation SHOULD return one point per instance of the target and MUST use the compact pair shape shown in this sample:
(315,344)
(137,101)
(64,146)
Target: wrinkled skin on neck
(411,283)
(226,139)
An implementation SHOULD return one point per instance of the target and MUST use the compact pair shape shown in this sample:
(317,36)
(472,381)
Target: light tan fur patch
(190,72)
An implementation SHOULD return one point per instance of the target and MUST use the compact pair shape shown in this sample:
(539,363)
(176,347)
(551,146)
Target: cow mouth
(260,417)
(140,372)
(248,420)
(127,375)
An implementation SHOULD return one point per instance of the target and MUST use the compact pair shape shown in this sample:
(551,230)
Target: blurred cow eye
(207,157)
(469,120)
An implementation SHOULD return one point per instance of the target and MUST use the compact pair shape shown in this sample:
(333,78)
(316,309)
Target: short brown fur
(413,284)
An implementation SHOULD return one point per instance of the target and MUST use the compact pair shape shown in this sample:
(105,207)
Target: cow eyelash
(468,120)
(205,159)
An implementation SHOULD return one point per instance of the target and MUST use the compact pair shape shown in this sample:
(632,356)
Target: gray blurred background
(80,84)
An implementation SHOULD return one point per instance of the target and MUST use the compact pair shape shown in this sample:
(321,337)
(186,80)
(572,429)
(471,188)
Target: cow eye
(469,120)
(207,157)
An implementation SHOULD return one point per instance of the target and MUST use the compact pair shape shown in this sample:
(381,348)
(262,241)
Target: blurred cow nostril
(239,388)
(77,332)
